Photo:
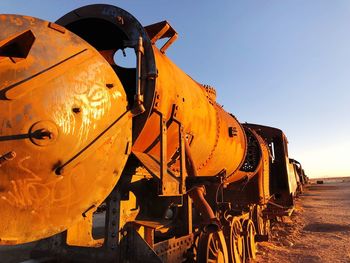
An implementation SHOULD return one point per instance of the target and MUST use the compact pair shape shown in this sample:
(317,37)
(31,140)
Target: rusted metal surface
(195,109)
(262,168)
(159,31)
(254,188)
(174,250)
(65,138)
(264,172)
(202,118)
(303,179)
(95,24)
(283,183)
(61,150)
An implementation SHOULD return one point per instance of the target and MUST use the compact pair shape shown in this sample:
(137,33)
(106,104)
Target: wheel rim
(237,242)
(249,237)
(212,248)
(234,239)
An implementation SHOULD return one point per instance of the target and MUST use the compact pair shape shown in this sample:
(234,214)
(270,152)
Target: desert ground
(317,231)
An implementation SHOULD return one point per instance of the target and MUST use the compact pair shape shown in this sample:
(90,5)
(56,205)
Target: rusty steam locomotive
(103,163)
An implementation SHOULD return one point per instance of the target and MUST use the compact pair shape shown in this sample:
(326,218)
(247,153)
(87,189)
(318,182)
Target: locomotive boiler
(84,140)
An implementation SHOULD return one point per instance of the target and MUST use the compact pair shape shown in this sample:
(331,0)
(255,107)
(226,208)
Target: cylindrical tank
(65,130)
(216,138)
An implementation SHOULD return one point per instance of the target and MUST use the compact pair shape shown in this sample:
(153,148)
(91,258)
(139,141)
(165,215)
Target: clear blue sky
(279,63)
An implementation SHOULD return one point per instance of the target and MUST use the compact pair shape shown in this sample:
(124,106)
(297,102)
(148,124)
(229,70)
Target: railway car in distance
(303,179)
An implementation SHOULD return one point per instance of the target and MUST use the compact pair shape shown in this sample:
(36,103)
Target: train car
(300,174)
(283,182)
(103,163)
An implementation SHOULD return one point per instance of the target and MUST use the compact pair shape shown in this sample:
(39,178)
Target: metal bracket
(163,156)
(136,248)
(17,47)
(159,31)
(206,180)
(167,181)
(57,247)
(182,186)
(112,221)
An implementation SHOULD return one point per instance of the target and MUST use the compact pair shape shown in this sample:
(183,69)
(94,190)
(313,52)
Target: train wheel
(236,242)
(249,238)
(212,248)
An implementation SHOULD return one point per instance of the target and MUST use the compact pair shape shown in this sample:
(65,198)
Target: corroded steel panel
(205,122)
(64,129)
(168,93)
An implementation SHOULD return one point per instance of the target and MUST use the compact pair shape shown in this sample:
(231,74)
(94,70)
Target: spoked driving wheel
(236,242)
(212,248)
(249,238)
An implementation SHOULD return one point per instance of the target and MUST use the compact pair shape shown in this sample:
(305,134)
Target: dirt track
(319,229)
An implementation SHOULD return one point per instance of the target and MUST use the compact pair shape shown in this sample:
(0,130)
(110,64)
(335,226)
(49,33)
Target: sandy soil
(318,230)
